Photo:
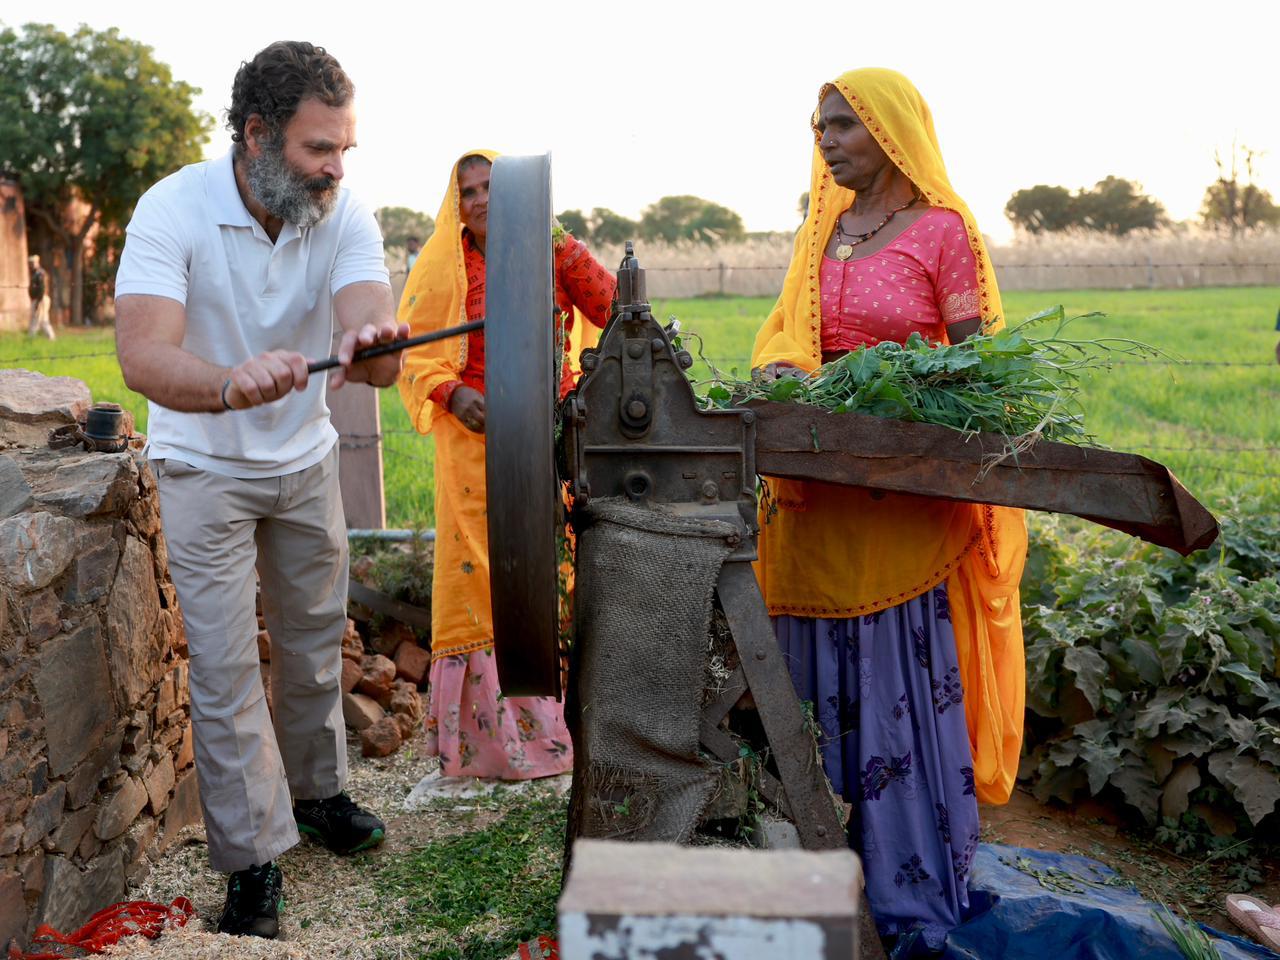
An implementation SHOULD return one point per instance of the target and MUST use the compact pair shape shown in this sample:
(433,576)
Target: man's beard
(287,194)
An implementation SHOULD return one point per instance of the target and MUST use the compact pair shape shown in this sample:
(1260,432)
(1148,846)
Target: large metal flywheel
(521,388)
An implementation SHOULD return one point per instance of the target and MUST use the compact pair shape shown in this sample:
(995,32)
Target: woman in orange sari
(898,614)
(470,725)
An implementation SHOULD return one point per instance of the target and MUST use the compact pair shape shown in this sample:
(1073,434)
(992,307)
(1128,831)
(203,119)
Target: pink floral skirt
(477,732)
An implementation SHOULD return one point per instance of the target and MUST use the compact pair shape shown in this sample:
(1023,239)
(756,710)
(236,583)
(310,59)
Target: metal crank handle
(397,345)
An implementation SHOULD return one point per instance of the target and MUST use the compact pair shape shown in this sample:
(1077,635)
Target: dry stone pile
(380,693)
(96,764)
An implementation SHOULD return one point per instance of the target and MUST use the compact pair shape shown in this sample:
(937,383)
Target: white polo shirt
(191,239)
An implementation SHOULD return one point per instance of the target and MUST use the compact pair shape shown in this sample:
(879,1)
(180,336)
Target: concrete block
(626,901)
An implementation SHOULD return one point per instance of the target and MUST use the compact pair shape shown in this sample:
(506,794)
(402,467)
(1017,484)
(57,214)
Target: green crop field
(1213,420)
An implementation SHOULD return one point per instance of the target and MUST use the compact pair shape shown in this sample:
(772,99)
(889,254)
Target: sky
(638,100)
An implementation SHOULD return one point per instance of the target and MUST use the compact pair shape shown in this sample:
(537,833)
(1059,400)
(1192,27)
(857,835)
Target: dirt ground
(332,908)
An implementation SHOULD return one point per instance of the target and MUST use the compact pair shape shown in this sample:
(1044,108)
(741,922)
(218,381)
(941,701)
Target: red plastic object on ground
(544,948)
(108,926)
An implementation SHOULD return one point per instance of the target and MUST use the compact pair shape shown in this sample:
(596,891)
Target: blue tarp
(1014,917)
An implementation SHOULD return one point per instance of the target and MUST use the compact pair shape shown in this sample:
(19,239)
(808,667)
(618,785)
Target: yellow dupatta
(836,552)
(435,297)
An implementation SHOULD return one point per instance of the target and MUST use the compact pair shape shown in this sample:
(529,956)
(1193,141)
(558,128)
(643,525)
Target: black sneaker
(253,903)
(339,824)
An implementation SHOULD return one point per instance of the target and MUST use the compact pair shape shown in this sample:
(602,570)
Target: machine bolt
(635,349)
(748,416)
(657,344)
(636,409)
(733,539)
(821,831)
(760,655)
(684,359)
(711,490)
(590,360)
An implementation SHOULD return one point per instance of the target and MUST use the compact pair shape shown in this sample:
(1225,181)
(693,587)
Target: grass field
(1214,425)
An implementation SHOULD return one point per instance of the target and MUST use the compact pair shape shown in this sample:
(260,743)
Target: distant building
(15,305)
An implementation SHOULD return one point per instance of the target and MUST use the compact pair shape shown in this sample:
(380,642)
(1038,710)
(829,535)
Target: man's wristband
(225,405)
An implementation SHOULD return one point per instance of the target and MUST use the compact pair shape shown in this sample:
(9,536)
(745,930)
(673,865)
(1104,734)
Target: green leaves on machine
(1022,381)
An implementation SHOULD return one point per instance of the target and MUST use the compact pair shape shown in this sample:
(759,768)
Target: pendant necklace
(846,242)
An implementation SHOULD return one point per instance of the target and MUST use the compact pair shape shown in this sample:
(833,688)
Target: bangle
(225,405)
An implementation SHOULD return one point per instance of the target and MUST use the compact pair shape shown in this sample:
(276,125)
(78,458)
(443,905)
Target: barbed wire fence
(719,362)
(726,278)
(352,441)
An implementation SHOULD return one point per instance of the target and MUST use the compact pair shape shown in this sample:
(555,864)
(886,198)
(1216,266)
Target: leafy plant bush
(1153,674)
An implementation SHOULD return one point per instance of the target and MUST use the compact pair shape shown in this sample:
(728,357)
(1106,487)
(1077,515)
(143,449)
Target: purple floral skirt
(886,692)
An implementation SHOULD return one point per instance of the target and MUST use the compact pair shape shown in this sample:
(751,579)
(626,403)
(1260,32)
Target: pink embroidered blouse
(922,281)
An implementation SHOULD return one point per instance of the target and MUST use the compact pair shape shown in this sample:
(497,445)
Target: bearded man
(232,274)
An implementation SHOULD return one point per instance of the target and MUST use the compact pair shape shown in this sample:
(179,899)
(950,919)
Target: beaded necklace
(846,243)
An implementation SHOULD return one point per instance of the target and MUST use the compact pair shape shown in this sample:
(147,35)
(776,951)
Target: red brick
(352,645)
(186,752)
(377,675)
(389,638)
(360,712)
(381,739)
(412,662)
(350,675)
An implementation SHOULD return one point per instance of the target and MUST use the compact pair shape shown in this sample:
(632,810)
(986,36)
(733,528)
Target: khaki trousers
(40,319)
(292,528)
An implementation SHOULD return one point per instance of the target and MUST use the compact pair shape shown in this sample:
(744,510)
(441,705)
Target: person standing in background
(38,289)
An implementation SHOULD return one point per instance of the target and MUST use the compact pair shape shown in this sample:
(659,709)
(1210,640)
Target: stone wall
(96,772)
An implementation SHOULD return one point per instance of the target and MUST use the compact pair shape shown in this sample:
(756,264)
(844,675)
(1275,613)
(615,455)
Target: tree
(1228,202)
(690,218)
(1041,208)
(1117,206)
(609,227)
(398,224)
(575,222)
(92,117)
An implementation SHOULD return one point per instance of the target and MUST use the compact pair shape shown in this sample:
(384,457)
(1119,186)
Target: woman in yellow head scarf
(473,728)
(898,614)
